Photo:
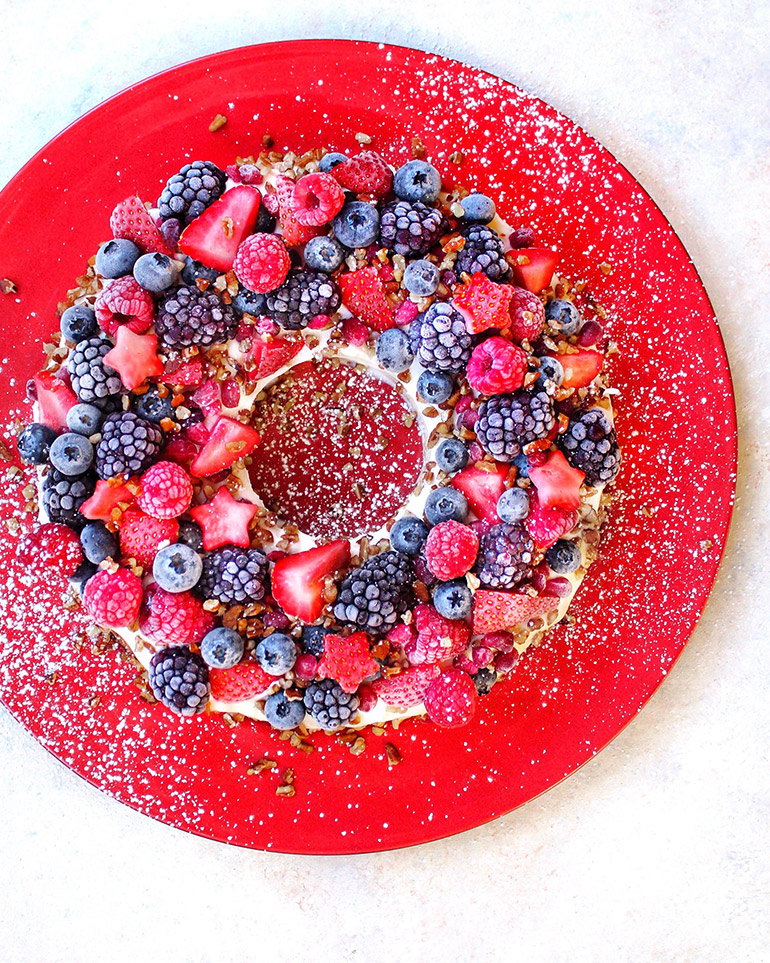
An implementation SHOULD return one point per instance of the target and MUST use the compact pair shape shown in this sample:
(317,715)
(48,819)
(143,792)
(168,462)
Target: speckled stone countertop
(656,850)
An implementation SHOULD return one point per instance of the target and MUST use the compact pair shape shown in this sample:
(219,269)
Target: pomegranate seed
(522,237)
(505,661)
(502,641)
(560,587)
(355,332)
(231,393)
(481,655)
(465,664)
(406,313)
(305,667)
(591,333)
(475,453)
(276,556)
(266,326)
(320,321)
(367,698)
(275,620)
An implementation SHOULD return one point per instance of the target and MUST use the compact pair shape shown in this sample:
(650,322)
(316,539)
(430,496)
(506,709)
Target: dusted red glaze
(633,617)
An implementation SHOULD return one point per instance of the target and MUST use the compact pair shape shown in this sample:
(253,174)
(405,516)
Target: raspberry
(408,688)
(348,660)
(173,618)
(141,535)
(166,490)
(547,525)
(113,598)
(366,173)
(124,301)
(292,231)
(52,545)
(437,638)
(451,700)
(451,550)
(317,198)
(262,263)
(496,367)
(483,303)
(527,315)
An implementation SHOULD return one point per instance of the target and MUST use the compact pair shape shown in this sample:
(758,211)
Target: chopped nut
(456,157)
(217,123)
(262,765)
(418,148)
(363,138)
(7,286)
(393,755)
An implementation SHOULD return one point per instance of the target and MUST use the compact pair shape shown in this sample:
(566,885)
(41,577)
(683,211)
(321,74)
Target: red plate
(676,422)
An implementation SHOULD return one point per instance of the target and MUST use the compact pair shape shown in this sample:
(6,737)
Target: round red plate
(676,422)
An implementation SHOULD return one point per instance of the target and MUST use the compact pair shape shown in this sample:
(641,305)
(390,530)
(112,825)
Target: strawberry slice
(298,580)
(270,356)
(408,688)
(131,220)
(214,236)
(184,373)
(482,489)
(107,498)
(224,520)
(580,367)
(557,482)
(533,267)
(364,295)
(242,682)
(493,611)
(141,535)
(208,397)
(292,231)
(367,173)
(228,442)
(54,400)
(134,357)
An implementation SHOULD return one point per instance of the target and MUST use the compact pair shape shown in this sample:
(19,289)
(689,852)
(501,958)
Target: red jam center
(341,449)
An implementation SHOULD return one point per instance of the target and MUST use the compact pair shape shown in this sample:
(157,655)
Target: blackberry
(128,446)
(179,679)
(233,575)
(64,494)
(505,556)
(483,252)
(302,296)
(439,338)
(329,704)
(187,316)
(507,423)
(484,680)
(188,193)
(410,229)
(591,445)
(92,379)
(374,595)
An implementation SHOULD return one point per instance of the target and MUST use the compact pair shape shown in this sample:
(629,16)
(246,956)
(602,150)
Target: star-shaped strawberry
(108,497)
(348,660)
(134,357)
(557,482)
(224,520)
(483,303)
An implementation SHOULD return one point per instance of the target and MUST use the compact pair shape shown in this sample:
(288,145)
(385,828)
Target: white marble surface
(658,849)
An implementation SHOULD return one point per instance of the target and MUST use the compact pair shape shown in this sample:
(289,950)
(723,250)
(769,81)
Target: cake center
(341,449)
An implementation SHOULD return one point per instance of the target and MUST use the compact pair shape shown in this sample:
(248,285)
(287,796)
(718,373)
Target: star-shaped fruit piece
(134,357)
(109,499)
(557,482)
(224,520)
(347,659)
(483,303)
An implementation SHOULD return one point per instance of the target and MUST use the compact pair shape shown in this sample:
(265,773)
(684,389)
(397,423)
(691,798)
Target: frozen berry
(451,700)
(357,224)
(113,598)
(84,419)
(177,568)
(283,713)
(408,535)
(98,542)
(277,653)
(417,180)
(71,454)
(330,160)
(324,254)
(156,272)
(117,258)
(262,263)
(34,443)
(317,198)
(451,549)
(478,208)
(166,490)
(222,648)
(435,387)
(513,505)
(496,367)
(564,556)
(394,351)
(446,503)
(453,600)
(562,316)
(421,278)
(78,323)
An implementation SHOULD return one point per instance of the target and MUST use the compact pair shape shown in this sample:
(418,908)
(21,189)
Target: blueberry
(451,455)
(324,254)
(117,258)
(222,648)
(453,600)
(82,574)
(357,224)
(177,568)
(71,454)
(564,556)
(195,270)
(435,387)
(550,370)
(34,442)
(84,419)
(78,323)
(445,503)
(484,680)
(513,505)
(408,535)
(249,302)
(265,223)
(98,542)
(153,406)
(331,160)
(312,639)
(421,278)
(478,208)
(190,534)
(394,351)
(522,465)
(283,713)
(156,272)
(417,180)
(277,653)
(563,316)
